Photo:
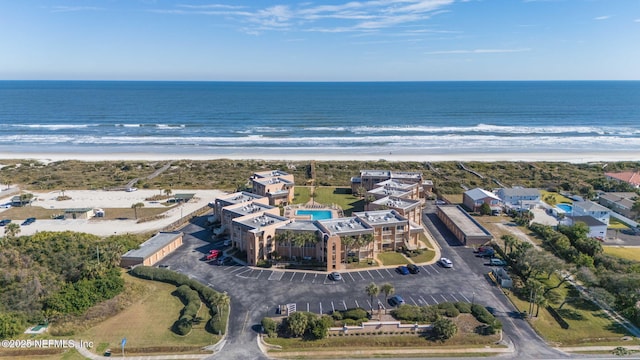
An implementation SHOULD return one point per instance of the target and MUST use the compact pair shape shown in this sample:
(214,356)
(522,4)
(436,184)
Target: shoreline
(331,155)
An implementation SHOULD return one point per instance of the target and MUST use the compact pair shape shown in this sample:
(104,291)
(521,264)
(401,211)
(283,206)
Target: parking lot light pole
(473,298)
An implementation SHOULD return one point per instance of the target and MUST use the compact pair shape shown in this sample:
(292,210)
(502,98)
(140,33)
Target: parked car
(335,276)
(4,222)
(28,221)
(497,262)
(396,300)
(487,253)
(482,249)
(413,268)
(446,263)
(403,270)
(227,242)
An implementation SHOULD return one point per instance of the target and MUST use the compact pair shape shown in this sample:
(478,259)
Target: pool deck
(290,211)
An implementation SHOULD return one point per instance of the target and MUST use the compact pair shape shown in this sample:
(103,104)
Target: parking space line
(304,275)
(320,308)
(314,278)
(434,299)
(425,301)
(274,275)
(465,298)
(308,307)
(345,304)
(444,298)
(357,306)
(261,271)
(242,272)
(379,273)
(390,274)
(333,308)
(368,272)
(414,302)
(454,297)
(351,276)
(292,276)
(426,270)
(360,273)
(240,268)
(370,305)
(434,269)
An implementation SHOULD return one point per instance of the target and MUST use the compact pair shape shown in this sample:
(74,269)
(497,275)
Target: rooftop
(238,198)
(632,177)
(270,173)
(520,191)
(478,194)
(344,226)
(590,206)
(379,217)
(396,202)
(248,208)
(151,246)
(589,220)
(390,191)
(463,220)
(261,220)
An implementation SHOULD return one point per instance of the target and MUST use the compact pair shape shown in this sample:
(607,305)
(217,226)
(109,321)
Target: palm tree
(372,290)
(348,242)
(365,239)
(168,192)
(388,290)
(509,242)
(221,301)
(135,208)
(11,230)
(285,237)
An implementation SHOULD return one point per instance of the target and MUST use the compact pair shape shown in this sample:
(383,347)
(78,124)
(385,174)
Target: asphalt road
(256,293)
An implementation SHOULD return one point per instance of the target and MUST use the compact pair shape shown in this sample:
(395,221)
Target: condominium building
(278,186)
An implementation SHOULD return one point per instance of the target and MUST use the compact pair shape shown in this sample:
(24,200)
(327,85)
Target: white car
(446,263)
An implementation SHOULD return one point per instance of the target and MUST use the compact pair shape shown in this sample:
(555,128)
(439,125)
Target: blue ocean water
(381,117)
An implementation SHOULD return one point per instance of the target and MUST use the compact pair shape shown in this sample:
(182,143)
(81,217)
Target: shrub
(448,309)
(356,314)
(182,326)
(337,315)
(269,326)
(463,307)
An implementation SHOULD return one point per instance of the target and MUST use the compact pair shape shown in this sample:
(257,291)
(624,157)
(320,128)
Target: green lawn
(616,224)
(328,195)
(629,253)
(392,258)
(588,324)
(558,198)
(426,256)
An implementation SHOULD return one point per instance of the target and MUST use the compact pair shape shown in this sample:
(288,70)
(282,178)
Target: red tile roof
(632,177)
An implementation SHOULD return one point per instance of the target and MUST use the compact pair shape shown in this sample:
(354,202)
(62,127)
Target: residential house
(597,229)
(630,177)
(590,208)
(620,202)
(474,199)
(519,198)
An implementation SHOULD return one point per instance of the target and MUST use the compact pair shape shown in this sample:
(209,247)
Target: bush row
(191,300)
(210,296)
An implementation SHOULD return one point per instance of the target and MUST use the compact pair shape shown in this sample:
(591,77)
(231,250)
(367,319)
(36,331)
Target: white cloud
(604,17)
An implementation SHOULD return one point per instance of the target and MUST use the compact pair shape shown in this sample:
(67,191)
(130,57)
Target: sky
(335,40)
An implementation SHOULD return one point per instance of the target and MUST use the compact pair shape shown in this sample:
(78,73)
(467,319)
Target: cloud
(604,17)
(351,16)
(636,20)
(478,51)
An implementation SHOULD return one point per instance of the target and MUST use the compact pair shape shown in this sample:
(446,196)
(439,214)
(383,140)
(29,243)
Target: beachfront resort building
(276,185)
(320,237)
(630,177)
(370,179)
(474,199)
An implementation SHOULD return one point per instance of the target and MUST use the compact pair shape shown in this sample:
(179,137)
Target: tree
(168,192)
(485,209)
(509,242)
(636,207)
(11,230)
(388,290)
(362,240)
(222,300)
(348,242)
(297,324)
(135,208)
(444,328)
(285,237)
(372,290)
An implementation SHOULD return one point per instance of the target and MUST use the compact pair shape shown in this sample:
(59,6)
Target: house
(468,231)
(620,202)
(153,250)
(589,208)
(597,229)
(519,198)
(630,177)
(474,198)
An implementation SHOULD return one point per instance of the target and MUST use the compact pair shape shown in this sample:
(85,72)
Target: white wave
(170,127)
(499,129)
(129,125)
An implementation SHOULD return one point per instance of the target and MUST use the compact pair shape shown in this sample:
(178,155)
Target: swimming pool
(567,208)
(316,214)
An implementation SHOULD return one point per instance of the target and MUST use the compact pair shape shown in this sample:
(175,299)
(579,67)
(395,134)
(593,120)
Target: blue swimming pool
(316,214)
(567,208)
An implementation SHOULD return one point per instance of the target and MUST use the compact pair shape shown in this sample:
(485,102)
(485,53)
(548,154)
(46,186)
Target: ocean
(377,119)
